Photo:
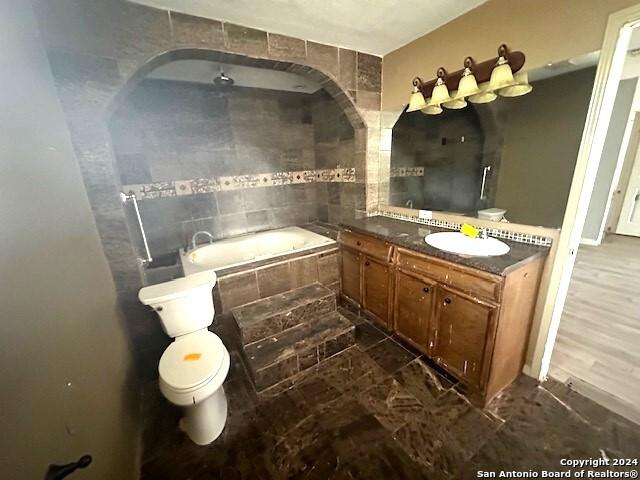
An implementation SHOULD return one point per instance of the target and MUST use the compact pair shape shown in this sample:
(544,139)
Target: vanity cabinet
(472,323)
(462,333)
(350,274)
(366,276)
(375,288)
(413,308)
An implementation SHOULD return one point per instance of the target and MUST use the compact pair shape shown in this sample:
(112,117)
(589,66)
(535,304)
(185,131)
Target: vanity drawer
(476,283)
(371,246)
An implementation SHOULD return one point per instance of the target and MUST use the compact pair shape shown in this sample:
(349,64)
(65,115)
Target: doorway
(596,315)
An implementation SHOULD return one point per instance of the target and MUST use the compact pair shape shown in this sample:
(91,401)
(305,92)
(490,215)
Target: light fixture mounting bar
(482,72)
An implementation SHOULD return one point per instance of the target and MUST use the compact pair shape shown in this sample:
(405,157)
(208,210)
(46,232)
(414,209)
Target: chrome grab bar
(133,199)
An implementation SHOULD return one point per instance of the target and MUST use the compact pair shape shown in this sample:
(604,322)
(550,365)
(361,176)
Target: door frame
(629,141)
(622,179)
(616,39)
(634,172)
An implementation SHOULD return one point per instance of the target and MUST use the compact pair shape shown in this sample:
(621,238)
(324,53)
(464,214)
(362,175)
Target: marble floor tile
(316,392)
(423,382)
(381,413)
(390,355)
(390,403)
(367,335)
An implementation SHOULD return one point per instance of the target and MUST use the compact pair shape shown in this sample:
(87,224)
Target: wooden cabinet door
(463,335)
(413,309)
(376,288)
(350,273)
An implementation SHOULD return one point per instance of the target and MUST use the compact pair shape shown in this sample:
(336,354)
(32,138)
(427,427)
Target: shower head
(223,80)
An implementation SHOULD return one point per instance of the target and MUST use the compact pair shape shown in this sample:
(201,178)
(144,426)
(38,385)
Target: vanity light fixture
(475,83)
(432,110)
(485,95)
(501,75)
(416,102)
(457,101)
(440,92)
(468,85)
(520,87)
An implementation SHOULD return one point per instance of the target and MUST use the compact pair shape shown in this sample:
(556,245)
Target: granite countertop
(411,236)
(326,229)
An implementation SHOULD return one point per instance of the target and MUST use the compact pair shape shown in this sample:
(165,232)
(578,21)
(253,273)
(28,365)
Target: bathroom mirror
(514,154)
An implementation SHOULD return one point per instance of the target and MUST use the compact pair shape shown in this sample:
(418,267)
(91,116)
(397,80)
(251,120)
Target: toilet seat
(190,363)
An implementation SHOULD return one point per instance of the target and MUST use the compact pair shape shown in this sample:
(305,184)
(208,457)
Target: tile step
(270,316)
(283,355)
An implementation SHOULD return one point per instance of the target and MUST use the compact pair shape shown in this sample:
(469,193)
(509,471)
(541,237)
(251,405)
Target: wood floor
(598,344)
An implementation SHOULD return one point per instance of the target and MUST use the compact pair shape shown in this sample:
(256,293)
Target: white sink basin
(456,242)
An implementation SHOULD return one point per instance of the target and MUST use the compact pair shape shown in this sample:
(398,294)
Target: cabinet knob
(425,289)
(358,243)
(366,264)
(447,301)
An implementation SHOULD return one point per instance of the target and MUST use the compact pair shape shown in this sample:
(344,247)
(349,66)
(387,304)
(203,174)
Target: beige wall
(545,30)
(541,142)
(58,308)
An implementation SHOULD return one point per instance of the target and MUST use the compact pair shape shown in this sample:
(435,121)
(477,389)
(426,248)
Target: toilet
(193,368)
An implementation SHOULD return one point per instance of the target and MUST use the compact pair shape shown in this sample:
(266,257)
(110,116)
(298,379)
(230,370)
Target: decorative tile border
(236,182)
(494,232)
(406,172)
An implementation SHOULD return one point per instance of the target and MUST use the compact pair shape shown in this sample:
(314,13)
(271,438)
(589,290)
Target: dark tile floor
(379,411)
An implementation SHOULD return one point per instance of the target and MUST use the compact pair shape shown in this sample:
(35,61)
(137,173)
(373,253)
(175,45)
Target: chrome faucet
(201,232)
(409,203)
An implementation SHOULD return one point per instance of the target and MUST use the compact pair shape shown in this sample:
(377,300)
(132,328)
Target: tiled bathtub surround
(167,130)
(93,67)
(254,283)
(208,185)
(225,139)
(171,221)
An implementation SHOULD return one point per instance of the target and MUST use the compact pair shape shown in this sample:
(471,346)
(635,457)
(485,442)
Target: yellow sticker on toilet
(192,357)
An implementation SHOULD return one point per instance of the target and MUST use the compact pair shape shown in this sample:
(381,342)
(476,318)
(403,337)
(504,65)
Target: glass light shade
(416,101)
(440,93)
(521,86)
(501,75)
(485,95)
(432,110)
(457,102)
(468,85)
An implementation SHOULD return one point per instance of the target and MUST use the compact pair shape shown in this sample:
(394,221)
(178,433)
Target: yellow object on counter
(469,230)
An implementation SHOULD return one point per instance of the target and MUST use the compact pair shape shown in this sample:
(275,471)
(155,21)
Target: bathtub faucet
(201,232)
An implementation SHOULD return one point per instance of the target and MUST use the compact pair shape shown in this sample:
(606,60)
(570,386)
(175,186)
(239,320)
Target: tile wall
(232,162)
(255,283)
(98,50)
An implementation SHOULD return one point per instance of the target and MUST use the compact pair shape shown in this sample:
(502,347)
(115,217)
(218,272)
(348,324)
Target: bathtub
(237,251)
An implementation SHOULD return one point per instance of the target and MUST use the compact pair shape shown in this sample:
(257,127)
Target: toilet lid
(191,361)
(177,288)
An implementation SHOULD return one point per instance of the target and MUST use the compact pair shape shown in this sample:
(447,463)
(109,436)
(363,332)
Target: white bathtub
(250,248)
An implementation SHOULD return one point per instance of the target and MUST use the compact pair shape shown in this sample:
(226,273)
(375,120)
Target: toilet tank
(184,305)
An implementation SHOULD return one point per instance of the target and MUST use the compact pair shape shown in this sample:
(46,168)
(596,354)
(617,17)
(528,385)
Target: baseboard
(589,241)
